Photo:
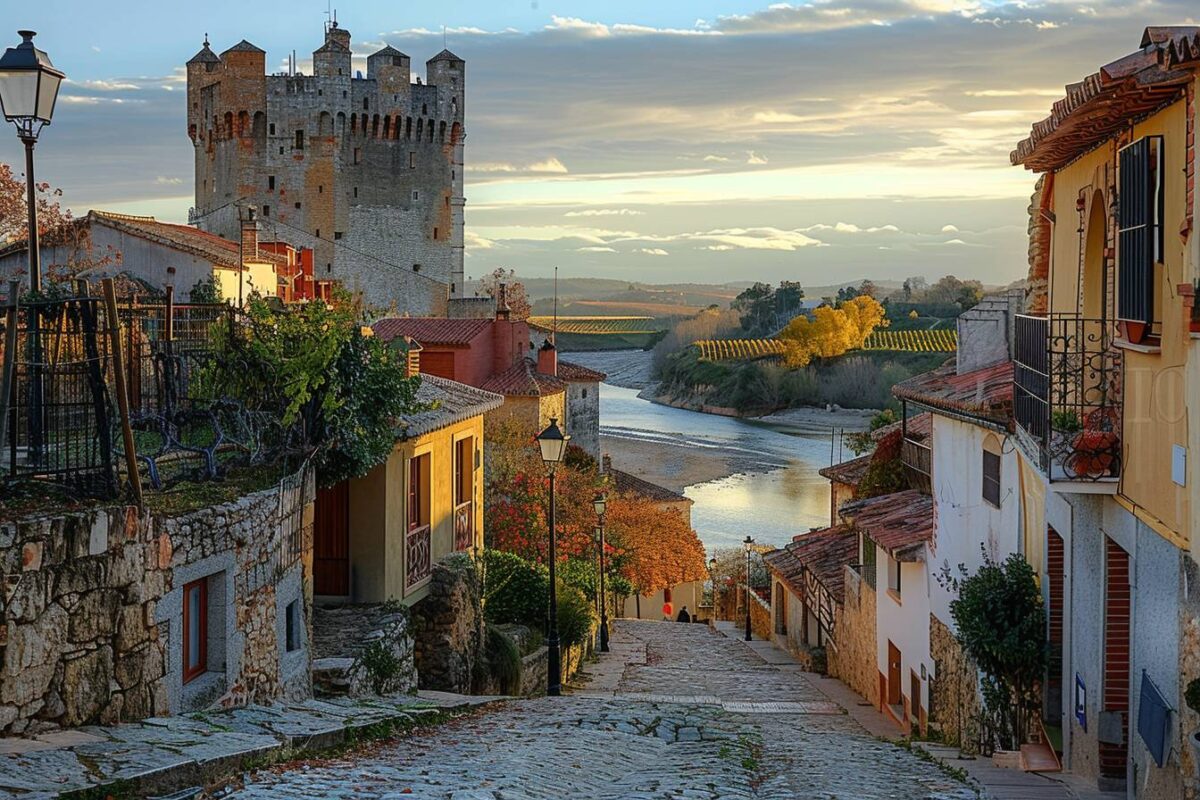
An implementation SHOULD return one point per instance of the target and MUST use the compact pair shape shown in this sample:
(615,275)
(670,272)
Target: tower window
(297,205)
(343,94)
(299,140)
(266,211)
(435,233)
(366,104)
(320,189)
(416,195)
(356,191)
(271,182)
(281,151)
(271,128)
(337,235)
(416,267)
(357,155)
(412,158)
(318,233)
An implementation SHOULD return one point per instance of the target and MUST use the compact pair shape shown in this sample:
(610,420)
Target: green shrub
(1192,695)
(504,660)
(581,574)
(516,590)
(576,616)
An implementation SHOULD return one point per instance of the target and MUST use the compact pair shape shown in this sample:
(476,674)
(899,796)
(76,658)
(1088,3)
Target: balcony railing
(464,526)
(1067,396)
(418,555)
(918,465)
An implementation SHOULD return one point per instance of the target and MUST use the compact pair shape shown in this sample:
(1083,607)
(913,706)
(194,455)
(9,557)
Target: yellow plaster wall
(378,512)
(260,277)
(1154,383)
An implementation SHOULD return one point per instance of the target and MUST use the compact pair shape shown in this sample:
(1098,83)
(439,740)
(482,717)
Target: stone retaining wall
(448,626)
(854,661)
(954,691)
(361,650)
(91,611)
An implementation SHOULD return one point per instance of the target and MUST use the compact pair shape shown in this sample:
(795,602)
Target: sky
(717,141)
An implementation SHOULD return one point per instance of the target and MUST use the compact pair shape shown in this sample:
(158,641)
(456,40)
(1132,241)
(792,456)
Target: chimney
(547,359)
(249,237)
(503,312)
(606,464)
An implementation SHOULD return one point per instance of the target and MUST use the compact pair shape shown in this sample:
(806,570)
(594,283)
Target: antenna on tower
(554,328)
(444,37)
(328,16)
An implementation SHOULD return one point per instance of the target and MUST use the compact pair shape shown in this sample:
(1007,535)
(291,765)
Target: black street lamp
(748,544)
(712,579)
(600,504)
(28,90)
(554,446)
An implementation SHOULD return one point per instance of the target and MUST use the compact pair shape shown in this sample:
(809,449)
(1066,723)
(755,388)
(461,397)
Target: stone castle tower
(366,171)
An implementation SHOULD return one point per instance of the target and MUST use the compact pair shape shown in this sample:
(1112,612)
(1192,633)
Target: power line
(273,222)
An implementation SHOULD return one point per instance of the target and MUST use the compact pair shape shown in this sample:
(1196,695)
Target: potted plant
(1094,453)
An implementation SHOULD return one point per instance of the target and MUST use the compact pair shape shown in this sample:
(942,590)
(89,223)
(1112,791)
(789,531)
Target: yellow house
(1106,390)
(377,537)
(533,392)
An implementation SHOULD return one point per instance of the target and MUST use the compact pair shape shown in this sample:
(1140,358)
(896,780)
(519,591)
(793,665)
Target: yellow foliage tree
(831,331)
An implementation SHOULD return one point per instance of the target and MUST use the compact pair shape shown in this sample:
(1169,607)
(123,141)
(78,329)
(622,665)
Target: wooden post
(118,369)
(10,357)
(170,321)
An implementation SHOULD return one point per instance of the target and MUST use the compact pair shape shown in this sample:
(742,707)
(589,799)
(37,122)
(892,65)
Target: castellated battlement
(365,170)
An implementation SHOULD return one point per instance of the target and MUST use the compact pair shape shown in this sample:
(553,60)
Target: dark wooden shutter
(1135,235)
(331,540)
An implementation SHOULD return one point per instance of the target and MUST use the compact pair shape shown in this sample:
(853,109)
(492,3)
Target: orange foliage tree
(654,546)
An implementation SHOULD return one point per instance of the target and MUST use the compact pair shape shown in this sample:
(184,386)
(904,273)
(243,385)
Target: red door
(1116,657)
(331,541)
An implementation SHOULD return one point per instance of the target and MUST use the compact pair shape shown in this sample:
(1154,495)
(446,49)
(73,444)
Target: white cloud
(850,227)
(716,159)
(476,242)
(653,251)
(163,180)
(550,164)
(755,158)
(595,249)
(605,212)
(105,85)
(718,248)
(949,229)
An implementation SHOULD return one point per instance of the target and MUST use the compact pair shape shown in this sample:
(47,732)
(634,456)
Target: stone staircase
(362,650)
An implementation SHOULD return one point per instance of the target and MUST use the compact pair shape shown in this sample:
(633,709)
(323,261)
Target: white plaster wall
(966,524)
(905,622)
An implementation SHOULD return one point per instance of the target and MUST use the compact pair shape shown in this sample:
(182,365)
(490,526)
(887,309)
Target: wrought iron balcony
(1067,397)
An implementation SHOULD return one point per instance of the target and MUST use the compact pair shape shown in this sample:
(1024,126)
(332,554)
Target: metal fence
(56,406)
(88,385)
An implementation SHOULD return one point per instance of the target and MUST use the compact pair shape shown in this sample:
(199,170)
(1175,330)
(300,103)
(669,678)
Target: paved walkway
(675,711)
(996,783)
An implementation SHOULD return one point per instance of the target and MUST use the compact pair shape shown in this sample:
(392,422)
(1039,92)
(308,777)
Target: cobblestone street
(676,711)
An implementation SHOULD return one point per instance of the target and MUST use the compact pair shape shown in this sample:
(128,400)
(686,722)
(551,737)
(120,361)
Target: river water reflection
(776,492)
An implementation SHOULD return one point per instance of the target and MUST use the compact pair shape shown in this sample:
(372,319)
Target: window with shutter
(1139,234)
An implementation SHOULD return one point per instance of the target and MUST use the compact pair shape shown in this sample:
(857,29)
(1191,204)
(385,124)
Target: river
(773,491)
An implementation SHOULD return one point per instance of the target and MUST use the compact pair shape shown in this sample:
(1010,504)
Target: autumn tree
(14,214)
(656,546)
(831,331)
(514,291)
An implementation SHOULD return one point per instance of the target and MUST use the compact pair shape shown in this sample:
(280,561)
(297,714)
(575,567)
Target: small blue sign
(1080,702)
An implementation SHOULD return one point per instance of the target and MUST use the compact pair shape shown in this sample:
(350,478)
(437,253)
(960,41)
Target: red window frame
(418,477)
(202,662)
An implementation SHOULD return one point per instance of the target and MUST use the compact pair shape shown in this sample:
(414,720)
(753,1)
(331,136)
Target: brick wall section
(375,186)
(853,661)
(91,626)
(1116,655)
(1037,285)
(953,692)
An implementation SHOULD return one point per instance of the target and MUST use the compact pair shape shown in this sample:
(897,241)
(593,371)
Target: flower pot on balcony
(1094,454)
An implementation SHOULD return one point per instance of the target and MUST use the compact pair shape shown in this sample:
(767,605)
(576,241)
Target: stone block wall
(91,609)
(954,690)
(448,627)
(361,650)
(854,660)
(760,618)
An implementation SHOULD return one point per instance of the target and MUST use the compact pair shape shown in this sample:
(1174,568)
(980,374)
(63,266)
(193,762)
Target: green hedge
(518,591)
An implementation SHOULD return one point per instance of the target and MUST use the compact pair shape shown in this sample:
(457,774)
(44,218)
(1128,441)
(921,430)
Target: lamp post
(554,446)
(28,90)
(748,544)
(712,579)
(600,504)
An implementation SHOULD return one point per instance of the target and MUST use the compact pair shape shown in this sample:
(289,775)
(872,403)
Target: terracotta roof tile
(985,394)
(625,483)
(919,427)
(825,553)
(848,472)
(429,330)
(523,380)
(570,371)
(450,403)
(901,523)
(1104,102)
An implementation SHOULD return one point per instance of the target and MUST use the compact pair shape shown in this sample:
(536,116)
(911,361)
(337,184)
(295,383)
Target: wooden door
(914,697)
(893,678)
(331,541)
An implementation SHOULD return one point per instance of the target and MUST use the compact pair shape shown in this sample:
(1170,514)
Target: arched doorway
(1094,289)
